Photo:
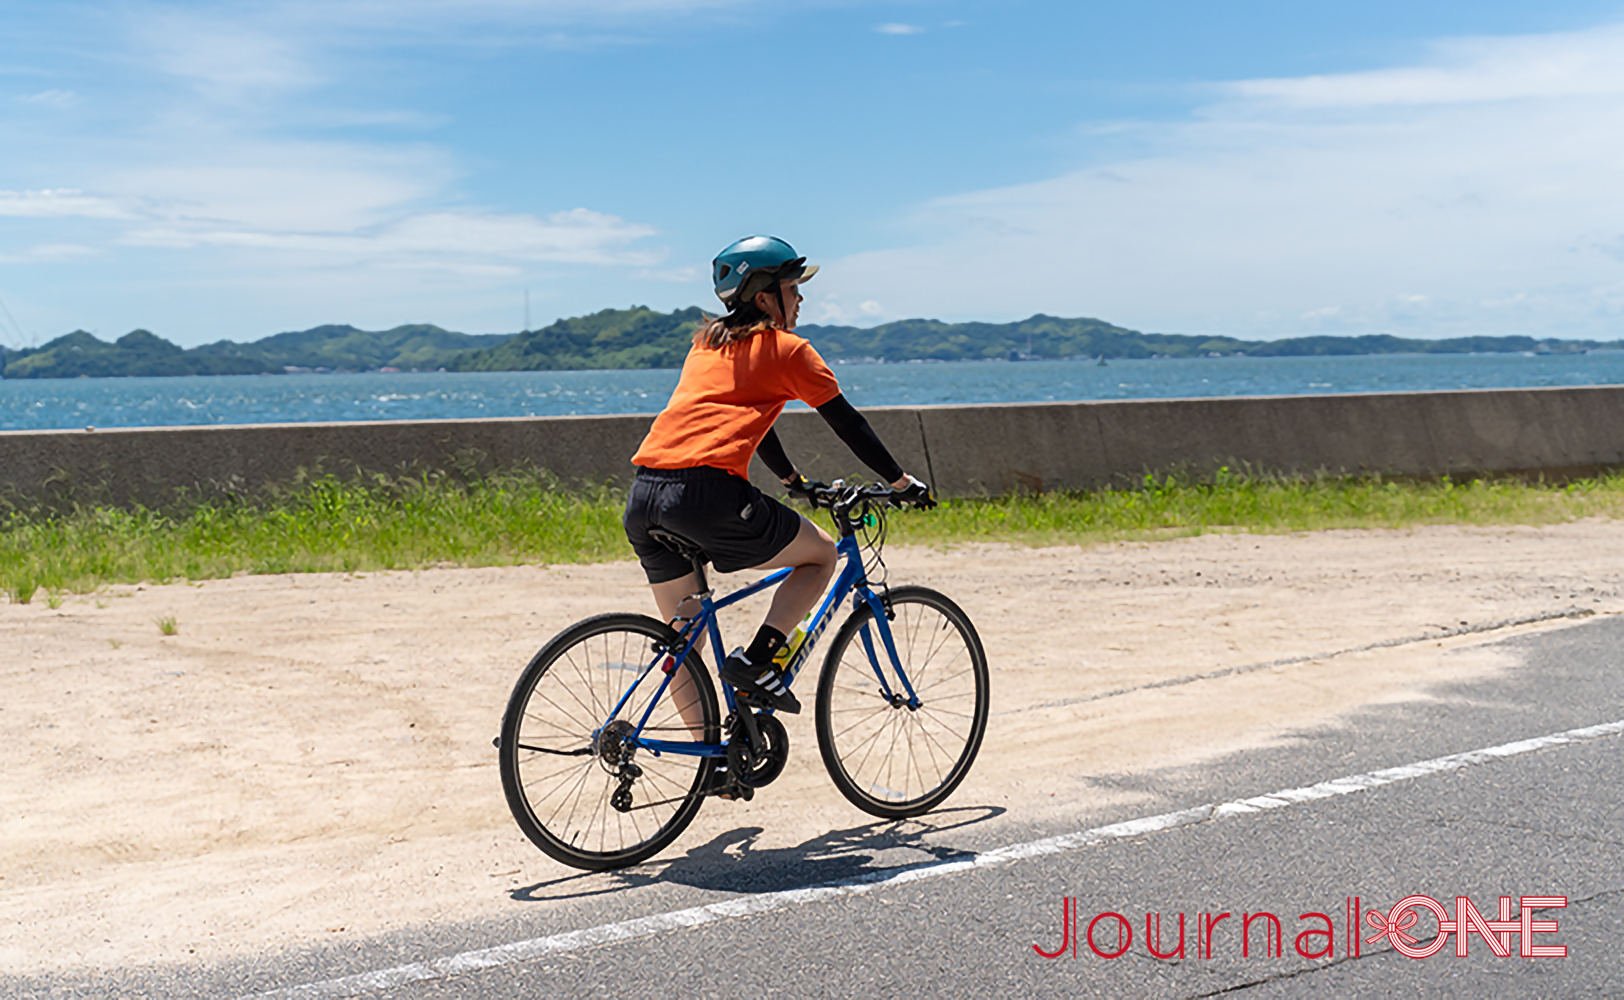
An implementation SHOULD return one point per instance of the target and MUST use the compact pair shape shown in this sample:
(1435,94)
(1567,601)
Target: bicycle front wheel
(888,759)
(576,780)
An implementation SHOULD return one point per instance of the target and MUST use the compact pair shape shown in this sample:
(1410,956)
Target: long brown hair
(742,322)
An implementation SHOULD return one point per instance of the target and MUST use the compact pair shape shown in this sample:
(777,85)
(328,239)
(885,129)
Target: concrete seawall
(964,450)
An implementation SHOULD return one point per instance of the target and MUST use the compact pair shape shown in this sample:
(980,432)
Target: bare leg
(670,598)
(813,555)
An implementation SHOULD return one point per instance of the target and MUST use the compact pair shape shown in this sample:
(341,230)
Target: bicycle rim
(559,771)
(888,760)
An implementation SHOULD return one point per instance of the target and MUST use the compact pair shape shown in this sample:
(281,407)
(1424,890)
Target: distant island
(639,337)
(322,349)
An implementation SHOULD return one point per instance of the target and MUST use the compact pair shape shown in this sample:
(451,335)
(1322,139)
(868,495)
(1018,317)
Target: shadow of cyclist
(732,861)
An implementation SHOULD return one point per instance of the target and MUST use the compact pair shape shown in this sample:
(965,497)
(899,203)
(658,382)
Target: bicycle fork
(883,616)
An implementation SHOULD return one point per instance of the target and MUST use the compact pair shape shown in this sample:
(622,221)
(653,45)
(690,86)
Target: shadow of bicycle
(733,862)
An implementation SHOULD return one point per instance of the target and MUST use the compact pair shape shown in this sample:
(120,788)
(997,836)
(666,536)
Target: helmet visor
(801,273)
(763,279)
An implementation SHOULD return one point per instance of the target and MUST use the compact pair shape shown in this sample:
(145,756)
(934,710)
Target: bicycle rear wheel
(887,759)
(565,761)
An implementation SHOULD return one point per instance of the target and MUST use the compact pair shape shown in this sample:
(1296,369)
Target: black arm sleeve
(771,453)
(852,428)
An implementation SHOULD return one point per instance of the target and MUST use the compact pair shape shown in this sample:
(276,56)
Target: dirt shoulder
(305,746)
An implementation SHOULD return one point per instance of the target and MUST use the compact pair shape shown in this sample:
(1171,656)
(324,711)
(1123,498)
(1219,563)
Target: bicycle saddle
(685,547)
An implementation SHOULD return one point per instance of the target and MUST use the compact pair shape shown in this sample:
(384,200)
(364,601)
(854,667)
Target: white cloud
(51,252)
(266,43)
(899,29)
(580,236)
(1469,70)
(1407,212)
(52,98)
(676,275)
(543,11)
(827,308)
(225,58)
(336,203)
(222,178)
(61,203)
(827,311)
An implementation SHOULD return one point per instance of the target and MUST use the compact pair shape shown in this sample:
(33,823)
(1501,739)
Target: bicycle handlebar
(838,497)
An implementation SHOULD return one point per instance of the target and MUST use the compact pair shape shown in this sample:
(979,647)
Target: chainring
(752,764)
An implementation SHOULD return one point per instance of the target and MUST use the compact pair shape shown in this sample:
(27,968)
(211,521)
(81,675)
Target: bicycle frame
(851,580)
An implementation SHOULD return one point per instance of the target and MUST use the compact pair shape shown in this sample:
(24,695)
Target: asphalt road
(1547,822)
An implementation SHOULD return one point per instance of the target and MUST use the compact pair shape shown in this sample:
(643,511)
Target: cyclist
(692,468)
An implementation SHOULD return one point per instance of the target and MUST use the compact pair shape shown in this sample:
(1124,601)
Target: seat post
(699,574)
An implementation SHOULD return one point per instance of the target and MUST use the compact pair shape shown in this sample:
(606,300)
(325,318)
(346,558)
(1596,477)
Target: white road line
(524,951)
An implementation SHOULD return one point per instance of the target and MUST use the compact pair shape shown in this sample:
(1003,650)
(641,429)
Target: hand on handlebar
(916,493)
(806,489)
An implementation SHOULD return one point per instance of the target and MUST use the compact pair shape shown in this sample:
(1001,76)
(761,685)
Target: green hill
(1386,344)
(1053,337)
(419,346)
(1039,336)
(136,353)
(637,337)
(331,348)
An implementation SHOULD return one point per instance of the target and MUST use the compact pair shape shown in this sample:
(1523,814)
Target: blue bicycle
(612,738)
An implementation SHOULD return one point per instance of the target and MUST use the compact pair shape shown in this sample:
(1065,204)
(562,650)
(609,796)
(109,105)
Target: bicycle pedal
(734,792)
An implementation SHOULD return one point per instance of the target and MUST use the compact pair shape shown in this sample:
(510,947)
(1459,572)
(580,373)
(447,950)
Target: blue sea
(37,404)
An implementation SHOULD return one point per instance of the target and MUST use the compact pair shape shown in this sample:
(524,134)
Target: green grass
(324,525)
(328,525)
(1163,507)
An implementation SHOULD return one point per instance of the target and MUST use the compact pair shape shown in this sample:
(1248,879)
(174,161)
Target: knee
(826,552)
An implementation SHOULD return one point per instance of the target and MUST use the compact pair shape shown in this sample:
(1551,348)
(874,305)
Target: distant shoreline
(841,362)
(640,338)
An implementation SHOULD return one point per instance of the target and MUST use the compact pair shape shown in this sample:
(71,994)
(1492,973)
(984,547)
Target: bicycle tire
(559,783)
(887,760)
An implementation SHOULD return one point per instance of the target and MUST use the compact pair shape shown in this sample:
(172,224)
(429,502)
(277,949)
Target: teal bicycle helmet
(754,264)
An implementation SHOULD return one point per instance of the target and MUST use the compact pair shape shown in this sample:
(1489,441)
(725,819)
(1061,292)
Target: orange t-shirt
(728,397)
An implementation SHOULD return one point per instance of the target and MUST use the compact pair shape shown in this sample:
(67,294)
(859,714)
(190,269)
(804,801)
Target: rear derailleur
(615,749)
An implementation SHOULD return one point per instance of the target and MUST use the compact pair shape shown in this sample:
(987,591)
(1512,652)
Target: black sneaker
(760,685)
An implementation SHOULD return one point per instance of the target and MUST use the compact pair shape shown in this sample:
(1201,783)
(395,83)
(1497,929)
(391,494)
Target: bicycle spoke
(660,776)
(931,746)
(563,705)
(878,711)
(566,770)
(933,742)
(869,744)
(900,761)
(562,711)
(570,796)
(583,676)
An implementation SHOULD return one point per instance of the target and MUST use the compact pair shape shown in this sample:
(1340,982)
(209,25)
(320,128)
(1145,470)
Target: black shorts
(736,524)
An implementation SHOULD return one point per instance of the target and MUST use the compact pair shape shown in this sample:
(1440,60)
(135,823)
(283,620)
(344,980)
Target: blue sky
(1265,169)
